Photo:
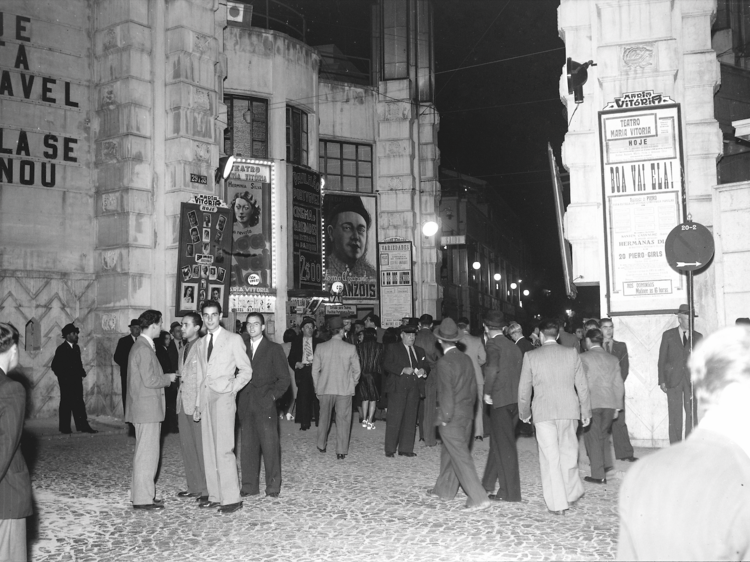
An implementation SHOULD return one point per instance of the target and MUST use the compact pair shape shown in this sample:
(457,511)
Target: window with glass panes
(346,166)
(296,136)
(247,131)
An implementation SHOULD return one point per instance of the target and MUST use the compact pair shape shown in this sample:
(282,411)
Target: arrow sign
(689,246)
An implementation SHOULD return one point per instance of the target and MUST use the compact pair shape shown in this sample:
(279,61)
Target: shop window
(346,166)
(296,136)
(247,131)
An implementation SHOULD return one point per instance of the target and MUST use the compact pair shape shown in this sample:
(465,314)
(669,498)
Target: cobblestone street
(366,507)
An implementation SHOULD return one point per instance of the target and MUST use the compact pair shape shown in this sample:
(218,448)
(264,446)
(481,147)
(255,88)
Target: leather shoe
(304,427)
(323,450)
(148,506)
(246,494)
(159,500)
(68,432)
(272,495)
(340,456)
(559,512)
(478,507)
(479,438)
(201,499)
(89,430)
(208,503)
(186,494)
(230,507)
(629,459)
(407,454)
(497,498)
(595,480)
(390,455)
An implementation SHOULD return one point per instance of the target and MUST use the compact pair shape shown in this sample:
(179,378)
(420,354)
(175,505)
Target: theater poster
(204,257)
(249,196)
(351,246)
(307,259)
(642,183)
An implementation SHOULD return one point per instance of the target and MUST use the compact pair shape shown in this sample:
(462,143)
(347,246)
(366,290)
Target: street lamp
(476,265)
(430,228)
(498,277)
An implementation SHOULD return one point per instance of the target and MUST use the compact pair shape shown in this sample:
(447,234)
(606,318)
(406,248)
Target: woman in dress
(370,352)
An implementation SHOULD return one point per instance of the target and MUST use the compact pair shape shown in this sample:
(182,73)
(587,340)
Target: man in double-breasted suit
(256,406)
(146,409)
(561,397)
(68,368)
(620,436)
(457,394)
(300,359)
(502,371)
(15,484)
(606,393)
(191,437)
(124,345)
(406,367)
(335,374)
(674,375)
(225,370)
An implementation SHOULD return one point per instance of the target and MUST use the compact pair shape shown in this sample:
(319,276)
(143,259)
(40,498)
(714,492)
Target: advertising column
(642,180)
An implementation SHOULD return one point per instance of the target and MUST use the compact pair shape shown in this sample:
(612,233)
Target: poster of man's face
(351,249)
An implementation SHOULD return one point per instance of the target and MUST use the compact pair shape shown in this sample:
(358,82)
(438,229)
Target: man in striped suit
(561,398)
(15,484)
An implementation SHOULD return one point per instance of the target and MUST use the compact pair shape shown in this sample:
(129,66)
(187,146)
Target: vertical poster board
(249,196)
(306,221)
(204,254)
(396,275)
(642,181)
(351,246)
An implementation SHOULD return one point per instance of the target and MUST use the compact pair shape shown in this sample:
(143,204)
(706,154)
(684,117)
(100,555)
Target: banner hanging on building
(249,193)
(204,255)
(396,274)
(351,246)
(641,148)
(306,221)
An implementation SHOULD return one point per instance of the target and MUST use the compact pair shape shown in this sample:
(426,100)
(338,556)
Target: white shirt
(215,335)
(150,342)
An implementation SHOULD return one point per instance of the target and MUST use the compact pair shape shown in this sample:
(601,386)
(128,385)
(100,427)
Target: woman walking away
(370,352)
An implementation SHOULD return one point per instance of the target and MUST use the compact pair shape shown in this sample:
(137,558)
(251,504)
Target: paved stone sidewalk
(367,507)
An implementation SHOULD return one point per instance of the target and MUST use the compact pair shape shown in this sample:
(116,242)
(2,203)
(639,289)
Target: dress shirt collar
(448,348)
(150,341)
(216,333)
(70,344)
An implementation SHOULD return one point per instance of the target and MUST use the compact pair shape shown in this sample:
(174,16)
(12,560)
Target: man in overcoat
(300,359)
(256,407)
(68,368)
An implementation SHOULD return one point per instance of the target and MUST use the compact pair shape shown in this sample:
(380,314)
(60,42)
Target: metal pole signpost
(689,247)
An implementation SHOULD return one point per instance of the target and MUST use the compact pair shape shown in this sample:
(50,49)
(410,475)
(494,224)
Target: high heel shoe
(370,425)
(365,424)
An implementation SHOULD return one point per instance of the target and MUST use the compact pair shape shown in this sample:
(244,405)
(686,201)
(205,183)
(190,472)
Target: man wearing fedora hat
(335,374)
(68,368)
(457,395)
(347,230)
(674,375)
(124,345)
(406,367)
(300,359)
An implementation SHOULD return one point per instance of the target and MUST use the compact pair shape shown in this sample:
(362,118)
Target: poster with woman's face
(249,198)
(187,298)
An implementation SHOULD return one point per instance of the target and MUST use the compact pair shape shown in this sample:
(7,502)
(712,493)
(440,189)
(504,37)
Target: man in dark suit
(256,406)
(121,357)
(515,331)
(674,376)
(620,437)
(691,501)
(300,359)
(68,369)
(406,368)
(15,483)
(427,341)
(457,394)
(502,371)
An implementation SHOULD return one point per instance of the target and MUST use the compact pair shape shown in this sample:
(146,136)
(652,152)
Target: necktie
(609,347)
(684,339)
(210,346)
(413,358)
(308,350)
(184,353)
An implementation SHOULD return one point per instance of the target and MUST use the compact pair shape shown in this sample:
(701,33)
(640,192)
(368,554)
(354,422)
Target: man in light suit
(561,397)
(674,376)
(691,501)
(335,374)
(502,371)
(606,392)
(256,406)
(15,483)
(191,437)
(146,409)
(476,352)
(221,354)
(124,345)
(620,436)
(406,367)
(457,393)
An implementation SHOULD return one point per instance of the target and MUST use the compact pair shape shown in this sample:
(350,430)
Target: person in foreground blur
(15,483)
(456,396)
(691,501)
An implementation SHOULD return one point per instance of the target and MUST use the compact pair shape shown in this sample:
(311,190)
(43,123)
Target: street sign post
(689,247)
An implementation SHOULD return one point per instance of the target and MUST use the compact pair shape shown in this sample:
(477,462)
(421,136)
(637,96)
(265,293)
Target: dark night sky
(495,119)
